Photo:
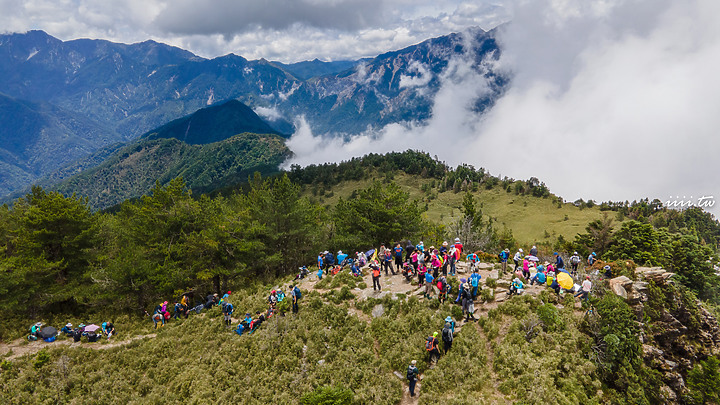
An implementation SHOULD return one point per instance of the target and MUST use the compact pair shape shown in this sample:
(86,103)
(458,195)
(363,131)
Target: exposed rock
(378,311)
(675,381)
(493,274)
(399,375)
(668,394)
(484,266)
(500,297)
(618,289)
(503,283)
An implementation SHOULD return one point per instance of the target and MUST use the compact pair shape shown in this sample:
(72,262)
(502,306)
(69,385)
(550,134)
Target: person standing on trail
(467,303)
(421,275)
(432,346)
(458,248)
(376,276)
(428,285)
(295,296)
(389,262)
(412,376)
(398,256)
(475,281)
(504,256)
(227,310)
(320,260)
(381,258)
(517,258)
(447,337)
(533,251)
(452,258)
(591,259)
(574,262)
(559,261)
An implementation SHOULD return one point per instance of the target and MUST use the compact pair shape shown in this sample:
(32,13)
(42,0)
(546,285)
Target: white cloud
(610,103)
(421,76)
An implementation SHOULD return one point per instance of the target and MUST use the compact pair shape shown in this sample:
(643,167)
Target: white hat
(520,250)
(457,239)
(69,325)
(574,253)
(414,362)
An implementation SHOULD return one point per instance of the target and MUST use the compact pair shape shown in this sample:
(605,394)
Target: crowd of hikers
(92,333)
(430,266)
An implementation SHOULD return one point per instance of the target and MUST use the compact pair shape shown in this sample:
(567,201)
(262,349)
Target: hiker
(92,337)
(355,269)
(516,287)
(442,285)
(227,310)
(608,271)
(244,324)
(179,310)
(67,329)
(77,334)
(381,258)
(458,248)
(460,290)
(320,260)
(341,257)
(376,276)
(273,299)
(389,263)
(555,286)
(467,303)
(295,294)
(559,261)
(421,275)
(473,259)
(35,331)
(329,260)
(414,259)
(108,329)
(447,337)
(475,281)
(398,256)
(518,256)
(445,259)
(526,267)
(539,277)
(585,290)
(574,262)
(157,318)
(504,256)
(452,258)
(407,271)
(428,285)
(210,301)
(435,263)
(533,251)
(412,376)
(591,259)
(160,310)
(431,346)
(450,321)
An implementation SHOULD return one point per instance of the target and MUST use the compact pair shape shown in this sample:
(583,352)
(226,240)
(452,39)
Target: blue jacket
(559,262)
(428,277)
(475,279)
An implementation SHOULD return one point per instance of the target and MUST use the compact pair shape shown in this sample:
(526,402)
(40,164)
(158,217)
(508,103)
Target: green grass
(528,217)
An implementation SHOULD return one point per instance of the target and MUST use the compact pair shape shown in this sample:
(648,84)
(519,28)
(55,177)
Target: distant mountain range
(90,94)
(211,148)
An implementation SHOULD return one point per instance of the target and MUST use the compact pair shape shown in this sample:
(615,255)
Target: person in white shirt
(518,258)
(586,288)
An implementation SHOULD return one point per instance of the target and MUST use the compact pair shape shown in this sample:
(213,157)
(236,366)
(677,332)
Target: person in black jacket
(412,376)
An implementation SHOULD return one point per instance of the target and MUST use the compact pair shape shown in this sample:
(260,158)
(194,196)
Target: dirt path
(19,348)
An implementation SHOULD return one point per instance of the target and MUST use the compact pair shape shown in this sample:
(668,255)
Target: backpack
(447,333)
(575,259)
(297,292)
(411,373)
(429,343)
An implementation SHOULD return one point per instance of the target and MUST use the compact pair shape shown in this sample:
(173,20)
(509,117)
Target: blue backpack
(297,292)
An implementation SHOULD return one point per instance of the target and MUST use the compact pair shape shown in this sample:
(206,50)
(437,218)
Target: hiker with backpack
(460,291)
(517,258)
(375,276)
(574,262)
(67,329)
(35,331)
(447,337)
(412,376)
(388,263)
(591,259)
(273,299)
(475,282)
(468,304)
(452,258)
(585,290)
(227,310)
(442,286)
(504,256)
(432,347)
(398,256)
(421,275)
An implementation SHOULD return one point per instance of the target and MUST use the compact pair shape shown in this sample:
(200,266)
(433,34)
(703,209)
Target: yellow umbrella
(565,280)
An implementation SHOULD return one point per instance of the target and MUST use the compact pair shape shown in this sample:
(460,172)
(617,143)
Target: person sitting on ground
(76,335)
(108,329)
(92,337)
(67,329)
(516,287)
(244,325)
(178,310)
(355,269)
(585,290)
(608,271)
(539,278)
(555,286)
(257,322)
(35,331)
(272,299)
